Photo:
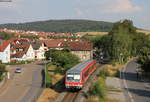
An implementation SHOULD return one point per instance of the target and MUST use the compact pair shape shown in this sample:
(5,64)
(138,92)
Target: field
(104,33)
(144,31)
(93,33)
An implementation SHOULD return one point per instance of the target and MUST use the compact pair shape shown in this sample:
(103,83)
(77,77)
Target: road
(24,86)
(135,89)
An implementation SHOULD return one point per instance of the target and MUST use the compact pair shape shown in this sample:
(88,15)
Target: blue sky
(19,11)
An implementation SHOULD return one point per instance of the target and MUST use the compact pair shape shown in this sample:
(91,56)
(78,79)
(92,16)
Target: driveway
(136,89)
(24,86)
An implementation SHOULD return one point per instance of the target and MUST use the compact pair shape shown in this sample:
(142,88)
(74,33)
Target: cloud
(79,12)
(121,6)
(108,6)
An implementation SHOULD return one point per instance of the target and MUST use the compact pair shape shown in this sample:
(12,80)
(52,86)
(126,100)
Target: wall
(5,55)
(83,55)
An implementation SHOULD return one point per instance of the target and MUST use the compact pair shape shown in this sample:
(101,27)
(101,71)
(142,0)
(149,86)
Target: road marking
(125,84)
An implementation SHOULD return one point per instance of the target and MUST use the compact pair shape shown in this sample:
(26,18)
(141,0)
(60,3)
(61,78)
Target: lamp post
(121,59)
(45,74)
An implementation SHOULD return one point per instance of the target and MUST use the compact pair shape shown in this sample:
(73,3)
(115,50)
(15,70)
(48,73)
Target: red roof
(56,43)
(79,45)
(76,45)
(4,45)
(19,54)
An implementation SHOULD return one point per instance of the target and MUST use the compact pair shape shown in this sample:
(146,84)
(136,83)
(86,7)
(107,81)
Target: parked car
(18,70)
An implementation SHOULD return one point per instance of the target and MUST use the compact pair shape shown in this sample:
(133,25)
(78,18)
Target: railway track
(70,97)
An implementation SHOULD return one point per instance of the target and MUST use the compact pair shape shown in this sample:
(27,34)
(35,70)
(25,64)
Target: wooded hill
(62,26)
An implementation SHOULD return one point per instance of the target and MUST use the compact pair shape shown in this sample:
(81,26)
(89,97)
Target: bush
(103,73)
(2,70)
(19,62)
(99,89)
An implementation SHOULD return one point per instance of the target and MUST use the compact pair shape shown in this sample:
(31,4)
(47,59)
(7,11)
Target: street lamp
(121,57)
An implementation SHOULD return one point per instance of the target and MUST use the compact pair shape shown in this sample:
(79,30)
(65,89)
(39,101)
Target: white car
(18,70)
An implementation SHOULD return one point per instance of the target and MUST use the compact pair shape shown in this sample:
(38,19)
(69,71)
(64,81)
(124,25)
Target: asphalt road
(24,86)
(135,88)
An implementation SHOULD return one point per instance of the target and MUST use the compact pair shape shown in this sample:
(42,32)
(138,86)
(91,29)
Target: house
(83,49)
(4,51)
(22,52)
(53,44)
(38,47)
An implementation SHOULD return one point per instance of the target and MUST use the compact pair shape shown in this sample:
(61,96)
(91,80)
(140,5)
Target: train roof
(79,67)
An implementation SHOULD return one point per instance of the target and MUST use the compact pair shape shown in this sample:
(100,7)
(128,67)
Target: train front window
(73,77)
(70,77)
(77,77)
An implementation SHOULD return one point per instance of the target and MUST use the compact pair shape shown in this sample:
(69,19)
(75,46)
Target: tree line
(62,26)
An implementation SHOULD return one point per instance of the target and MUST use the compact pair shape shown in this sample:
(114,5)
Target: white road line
(125,84)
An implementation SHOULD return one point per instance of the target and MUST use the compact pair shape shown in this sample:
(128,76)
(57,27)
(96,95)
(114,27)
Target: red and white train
(78,75)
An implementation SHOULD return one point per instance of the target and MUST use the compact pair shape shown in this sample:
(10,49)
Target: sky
(19,11)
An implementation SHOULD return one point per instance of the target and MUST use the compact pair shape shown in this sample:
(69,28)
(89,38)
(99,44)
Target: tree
(120,40)
(6,36)
(64,59)
(140,40)
(144,58)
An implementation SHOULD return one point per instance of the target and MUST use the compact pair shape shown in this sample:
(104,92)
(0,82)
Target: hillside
(62,26)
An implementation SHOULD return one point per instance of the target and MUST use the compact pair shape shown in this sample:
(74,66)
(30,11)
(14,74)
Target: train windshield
(73,77)
(70,77)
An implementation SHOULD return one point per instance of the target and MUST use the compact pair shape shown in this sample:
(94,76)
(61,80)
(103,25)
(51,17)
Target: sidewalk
(4,85)
(116,93)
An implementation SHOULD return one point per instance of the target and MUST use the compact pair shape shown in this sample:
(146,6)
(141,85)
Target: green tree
(144,58)
(6,36)
(64,59)
(121,41)
(140,40)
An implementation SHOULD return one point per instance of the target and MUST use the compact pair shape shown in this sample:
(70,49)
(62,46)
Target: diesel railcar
(78,75)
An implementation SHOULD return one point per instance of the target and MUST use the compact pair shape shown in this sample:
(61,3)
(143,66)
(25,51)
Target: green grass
(19,62)
(48,77)
(103,73)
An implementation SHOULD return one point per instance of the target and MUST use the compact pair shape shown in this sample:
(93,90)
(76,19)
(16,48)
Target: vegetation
(99,88)
(48,77)
(2,71)
(62,37)
(29,36)
(144,59)
(63,59)
(19,62)
(62,26)
(122,42)
(6,36)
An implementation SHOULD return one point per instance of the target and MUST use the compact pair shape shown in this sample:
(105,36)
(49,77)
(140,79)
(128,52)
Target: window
(69,77)
(73,77)
(76,77)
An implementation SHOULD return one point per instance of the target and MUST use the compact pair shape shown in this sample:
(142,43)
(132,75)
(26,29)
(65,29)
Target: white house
(5,52)
(39,50)
(23,52)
